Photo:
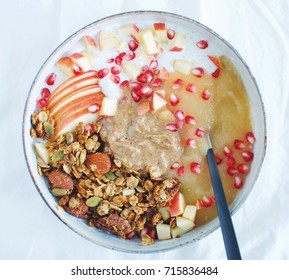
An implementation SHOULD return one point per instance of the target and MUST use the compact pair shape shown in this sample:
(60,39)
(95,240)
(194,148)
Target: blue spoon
(228,232)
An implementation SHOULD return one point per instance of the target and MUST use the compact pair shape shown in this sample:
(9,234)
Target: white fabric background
(30,30)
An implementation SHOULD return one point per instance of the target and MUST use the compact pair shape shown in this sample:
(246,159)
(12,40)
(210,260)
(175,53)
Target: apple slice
(150,44)
(163,231)
(56,96)
(161,32)
(190,212)
(81,61)
(89,42)
(67,66)
(183,66)
(108,107)
(128,29)
(42,153)
(177,205)
(91,57)
(178,43)
(157,102)
(143,107)
(165,212)
(161,92)
(131,69)
(108,40)
(70,96)
(164,74)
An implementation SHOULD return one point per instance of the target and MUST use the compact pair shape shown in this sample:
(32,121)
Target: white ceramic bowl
(258,116)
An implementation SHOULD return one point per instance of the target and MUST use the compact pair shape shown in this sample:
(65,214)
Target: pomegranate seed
(110,60)
(207,202)
(206,95)
(115,79)
(180,115)
(50,80)
(132,45)
(198,72)
(247,156)
(227,151)
(157,82)
(175,165)
(190,120)
(118,60)
(199,132)
(145,68)
(124,84)
(130,235)
(115,69)
(238,183)
(243,168)
(216,73)
(103,72)
(93,108)
(195,167)
(149,75)
(142,78)
(45,93)
(153,64)
(177,84)
(76,69)
(181,171)
(129,56)
(191,143)
(171,34)
(232,170)
(230,161)
(202,44)
(42,102)
(153,234)
(135,96)
(135,86)
(89,127)
(239,144)
(191,88)
(122,54)
(174,100)
(171,127)
(157,72)
(218,160)
(180,124)
(250,137)
(145,91)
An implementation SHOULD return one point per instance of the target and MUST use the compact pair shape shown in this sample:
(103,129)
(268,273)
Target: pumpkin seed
(69,138)
(48,128)
(58,155)
(110,175)
(93,201)
(59,192)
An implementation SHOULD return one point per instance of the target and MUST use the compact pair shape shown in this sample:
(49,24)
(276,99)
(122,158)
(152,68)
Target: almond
(60,180)
(98,162)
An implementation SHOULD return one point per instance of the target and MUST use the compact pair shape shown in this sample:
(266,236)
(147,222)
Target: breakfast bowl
(114,128)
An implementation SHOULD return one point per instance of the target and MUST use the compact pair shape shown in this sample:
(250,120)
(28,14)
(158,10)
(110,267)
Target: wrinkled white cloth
(31,30)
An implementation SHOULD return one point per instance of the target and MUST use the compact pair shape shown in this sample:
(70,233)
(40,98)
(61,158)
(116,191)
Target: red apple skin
(160,26)
(215,60)
(79,103)
(176,49)
(177,205)
(51,108)
(72,82)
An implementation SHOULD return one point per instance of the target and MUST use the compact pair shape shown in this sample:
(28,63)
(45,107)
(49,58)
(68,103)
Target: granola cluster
(109,194)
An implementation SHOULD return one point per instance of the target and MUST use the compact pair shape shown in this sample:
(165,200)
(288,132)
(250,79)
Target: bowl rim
(26,118)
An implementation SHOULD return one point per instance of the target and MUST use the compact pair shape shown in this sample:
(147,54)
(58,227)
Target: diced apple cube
(92,57)
(163,231)
(131,70)
(81,61)
(108,40)
(128,29)
(183,66)
(108,107)
(42,153)
(190,212)
(164,74)
(161,32)
(177,205)
(143,107)
(157,102)
(89,42)
(67,66)
(150,43)
(161,92)
(178,43)
(165,212)
(183,226)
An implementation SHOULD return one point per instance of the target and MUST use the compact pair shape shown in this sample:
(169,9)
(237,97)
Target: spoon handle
(228,232)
